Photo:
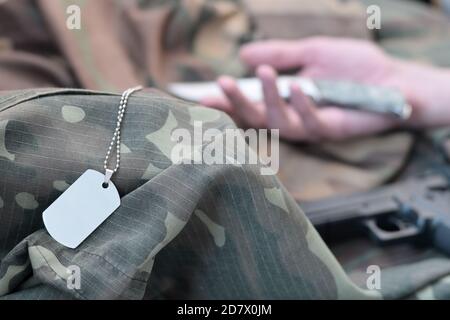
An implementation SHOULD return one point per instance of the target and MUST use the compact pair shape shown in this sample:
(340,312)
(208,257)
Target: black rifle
(418,208)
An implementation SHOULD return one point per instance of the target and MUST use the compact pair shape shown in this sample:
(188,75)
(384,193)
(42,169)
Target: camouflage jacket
(153,42)
(182,231)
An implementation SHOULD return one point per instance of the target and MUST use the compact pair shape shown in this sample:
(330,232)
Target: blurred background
(89,43)
(112,45)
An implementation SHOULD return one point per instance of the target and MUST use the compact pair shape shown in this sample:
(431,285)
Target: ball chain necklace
(91,199)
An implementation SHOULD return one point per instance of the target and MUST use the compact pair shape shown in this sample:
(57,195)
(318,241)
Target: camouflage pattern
(402,35)
(436,291)
(182,231)
(29,56)
(149,42)
(314,172)
(294,19)
(424,280)
(152,42)
(235,234)
(427,42)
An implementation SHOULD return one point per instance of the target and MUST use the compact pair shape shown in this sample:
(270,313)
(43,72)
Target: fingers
(276,108)
(219,103)
(343,124)
(312,125)
(281,55)
(244,109)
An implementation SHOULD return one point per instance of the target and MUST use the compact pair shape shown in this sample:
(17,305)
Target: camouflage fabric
(29,56)
(313,172)
(294,19)
(152,42)
(402,35)
(412,280)
(342,167)
(149,42)
(427,42)
(436,291)
(182,231)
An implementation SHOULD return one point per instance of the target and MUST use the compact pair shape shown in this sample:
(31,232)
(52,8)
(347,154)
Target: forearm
(427,89)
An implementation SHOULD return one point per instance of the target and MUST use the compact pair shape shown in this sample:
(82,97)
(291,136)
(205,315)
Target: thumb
(279,54)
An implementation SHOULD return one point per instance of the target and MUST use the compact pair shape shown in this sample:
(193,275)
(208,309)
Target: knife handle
(362,97)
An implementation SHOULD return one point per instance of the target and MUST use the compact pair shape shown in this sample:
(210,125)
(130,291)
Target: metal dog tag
(81,209)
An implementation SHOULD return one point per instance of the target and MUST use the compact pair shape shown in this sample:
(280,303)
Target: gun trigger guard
(383,237)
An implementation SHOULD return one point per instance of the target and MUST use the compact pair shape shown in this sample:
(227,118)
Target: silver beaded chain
(116,137)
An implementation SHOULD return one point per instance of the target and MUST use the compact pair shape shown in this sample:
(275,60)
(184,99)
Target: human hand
(326,58)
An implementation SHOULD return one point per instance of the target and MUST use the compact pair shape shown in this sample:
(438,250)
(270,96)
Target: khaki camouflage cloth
(125,43)
(427,42)
(414,30)
(182,231)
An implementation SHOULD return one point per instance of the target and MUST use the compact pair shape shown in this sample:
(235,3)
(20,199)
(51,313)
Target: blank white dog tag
(81,209)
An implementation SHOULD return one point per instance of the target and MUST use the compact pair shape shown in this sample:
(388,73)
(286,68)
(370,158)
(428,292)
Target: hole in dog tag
(81,209)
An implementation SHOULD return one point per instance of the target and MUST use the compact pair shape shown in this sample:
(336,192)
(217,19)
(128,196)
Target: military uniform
(182,231)
(189,231)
